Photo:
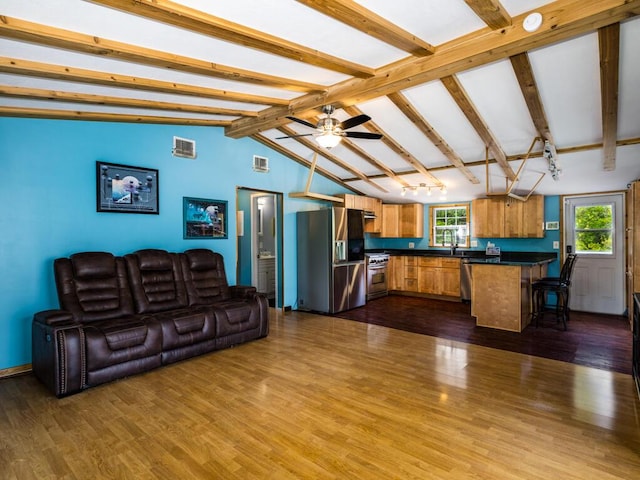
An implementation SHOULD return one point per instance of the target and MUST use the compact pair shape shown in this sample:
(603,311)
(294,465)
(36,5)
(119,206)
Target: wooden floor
(327,398)
(593,340)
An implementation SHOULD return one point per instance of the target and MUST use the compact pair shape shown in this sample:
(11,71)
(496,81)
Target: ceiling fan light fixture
(328,140)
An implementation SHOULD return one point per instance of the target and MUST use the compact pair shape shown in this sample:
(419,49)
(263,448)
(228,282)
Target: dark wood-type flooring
(599,341)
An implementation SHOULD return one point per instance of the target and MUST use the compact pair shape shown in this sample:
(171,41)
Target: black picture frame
(126,189)
(204,218)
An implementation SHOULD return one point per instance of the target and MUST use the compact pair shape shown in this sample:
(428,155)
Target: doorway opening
(259,259)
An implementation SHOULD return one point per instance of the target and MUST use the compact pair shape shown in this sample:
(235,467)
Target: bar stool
(558,285)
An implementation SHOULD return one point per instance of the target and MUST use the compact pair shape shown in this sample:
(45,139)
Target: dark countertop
(477,256)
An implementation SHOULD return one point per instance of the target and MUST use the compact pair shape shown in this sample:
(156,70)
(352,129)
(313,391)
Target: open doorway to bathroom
(259,236)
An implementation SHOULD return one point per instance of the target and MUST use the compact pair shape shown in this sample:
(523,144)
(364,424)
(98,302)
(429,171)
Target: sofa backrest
(156,280)
(204,276)
(93,286)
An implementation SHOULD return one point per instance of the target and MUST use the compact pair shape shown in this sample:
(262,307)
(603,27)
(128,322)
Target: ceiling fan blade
(295,136)
(367,135)
(303,122)
(354,121)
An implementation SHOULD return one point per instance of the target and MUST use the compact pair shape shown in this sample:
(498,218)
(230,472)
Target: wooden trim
(13,371)
(105,117)
(196,21)
(565,19)
(462,99)
(609,46)
(527,81)
(491,12)
(366,21)
(85,98)
(17,29)
(419,121)
(16,66)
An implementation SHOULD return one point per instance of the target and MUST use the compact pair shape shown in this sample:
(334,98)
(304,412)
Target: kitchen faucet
(453,239)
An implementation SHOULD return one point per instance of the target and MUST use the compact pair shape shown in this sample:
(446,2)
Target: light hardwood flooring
(329,398)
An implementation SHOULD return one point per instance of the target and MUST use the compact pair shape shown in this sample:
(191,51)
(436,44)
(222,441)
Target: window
(594,229)
(449,225)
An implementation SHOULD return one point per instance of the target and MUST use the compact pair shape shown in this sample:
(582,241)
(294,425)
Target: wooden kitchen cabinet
(369,204)
(503,217)
(390,221)
(395,272)
(410,274)
(402,221)
(439,276)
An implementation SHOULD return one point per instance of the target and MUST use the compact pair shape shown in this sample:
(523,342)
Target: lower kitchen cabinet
(425,275)
(439,276)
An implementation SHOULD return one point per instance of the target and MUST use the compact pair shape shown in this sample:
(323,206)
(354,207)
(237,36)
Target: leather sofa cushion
(116,341)
(233,316)
(93,286)
(186,326)
(205,276)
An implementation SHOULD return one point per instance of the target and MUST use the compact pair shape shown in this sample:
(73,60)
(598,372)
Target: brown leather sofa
(120,316)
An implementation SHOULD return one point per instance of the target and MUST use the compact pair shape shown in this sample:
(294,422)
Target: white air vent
(260,164)
(183,147)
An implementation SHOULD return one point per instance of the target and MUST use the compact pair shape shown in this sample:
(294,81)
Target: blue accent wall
(48,199)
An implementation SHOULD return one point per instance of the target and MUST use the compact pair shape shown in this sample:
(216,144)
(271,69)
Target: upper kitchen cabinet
(403,221)
(372,207)
(504,217)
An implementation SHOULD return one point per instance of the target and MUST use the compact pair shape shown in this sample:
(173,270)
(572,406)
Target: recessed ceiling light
(532,22)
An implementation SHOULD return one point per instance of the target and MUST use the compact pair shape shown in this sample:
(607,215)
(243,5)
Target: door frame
(621,237)
(253,232)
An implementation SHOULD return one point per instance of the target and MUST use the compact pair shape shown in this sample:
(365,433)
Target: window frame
(432,223)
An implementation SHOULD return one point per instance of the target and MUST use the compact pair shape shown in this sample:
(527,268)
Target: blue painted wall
(48,204)
(551,214)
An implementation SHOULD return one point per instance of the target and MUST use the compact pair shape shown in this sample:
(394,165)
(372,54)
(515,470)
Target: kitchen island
(501,293)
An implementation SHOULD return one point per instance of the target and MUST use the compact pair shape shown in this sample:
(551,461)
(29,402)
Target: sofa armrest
(58,355)
(242,291)
(54,318)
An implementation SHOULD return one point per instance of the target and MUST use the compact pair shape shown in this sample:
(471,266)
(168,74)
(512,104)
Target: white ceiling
(567,74)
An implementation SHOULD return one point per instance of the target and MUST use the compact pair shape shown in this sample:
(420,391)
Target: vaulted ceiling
(462,93)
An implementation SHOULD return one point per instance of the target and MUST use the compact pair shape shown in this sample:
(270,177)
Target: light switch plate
(412,245)
(556,245)
(474,243)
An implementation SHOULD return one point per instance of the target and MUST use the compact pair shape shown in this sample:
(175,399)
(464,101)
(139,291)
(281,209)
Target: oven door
(376,281)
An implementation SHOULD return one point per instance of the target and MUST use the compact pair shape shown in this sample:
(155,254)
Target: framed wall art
(204,218)
(126,189)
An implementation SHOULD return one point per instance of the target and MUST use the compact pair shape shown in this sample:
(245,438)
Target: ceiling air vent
(260,164)
(183,147)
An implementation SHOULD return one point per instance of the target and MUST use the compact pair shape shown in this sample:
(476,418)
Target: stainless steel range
(377,285)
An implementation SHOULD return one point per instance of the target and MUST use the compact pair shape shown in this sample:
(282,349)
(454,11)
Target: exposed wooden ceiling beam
(460,96)
(299,159)
(196,21)
(529,87)
(17,29)
(85,98)
(609,42)
(565,19)
(491,12)
(329,156)
(105,117)
(46,70)
(358,17)
(396,147)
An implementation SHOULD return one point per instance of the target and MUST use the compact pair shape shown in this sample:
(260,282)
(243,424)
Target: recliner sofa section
(120,316)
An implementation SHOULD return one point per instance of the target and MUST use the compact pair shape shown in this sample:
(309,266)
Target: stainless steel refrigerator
(331,268)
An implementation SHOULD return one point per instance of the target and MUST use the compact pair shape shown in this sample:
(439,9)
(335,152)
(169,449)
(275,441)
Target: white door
(594,229)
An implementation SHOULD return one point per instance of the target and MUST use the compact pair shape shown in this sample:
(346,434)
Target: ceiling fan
(331,130)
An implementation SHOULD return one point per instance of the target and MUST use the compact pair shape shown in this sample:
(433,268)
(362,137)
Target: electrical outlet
(412,245)
(556,245)
(474,243)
